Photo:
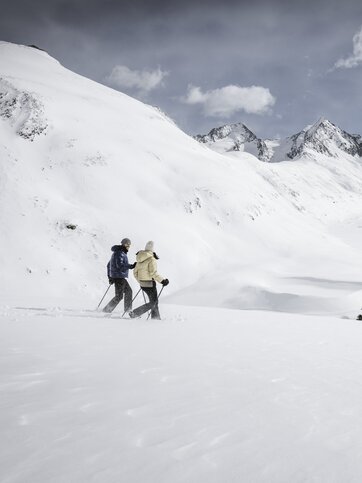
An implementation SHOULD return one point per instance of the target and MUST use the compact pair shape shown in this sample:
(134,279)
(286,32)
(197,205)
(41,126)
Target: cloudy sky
(275,65)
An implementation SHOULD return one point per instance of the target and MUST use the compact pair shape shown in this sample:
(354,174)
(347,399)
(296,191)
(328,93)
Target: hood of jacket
(119,248)
(143,255)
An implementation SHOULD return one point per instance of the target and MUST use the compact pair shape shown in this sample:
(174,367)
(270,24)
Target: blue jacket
(118,265)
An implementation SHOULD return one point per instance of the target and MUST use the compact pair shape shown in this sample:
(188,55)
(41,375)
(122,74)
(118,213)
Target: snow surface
(254,372)
(205,394)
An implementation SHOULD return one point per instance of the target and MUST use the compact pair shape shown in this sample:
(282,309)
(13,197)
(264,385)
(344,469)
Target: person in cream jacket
(146,275)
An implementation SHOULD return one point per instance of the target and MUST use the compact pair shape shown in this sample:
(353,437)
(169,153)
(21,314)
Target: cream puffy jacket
(146,268)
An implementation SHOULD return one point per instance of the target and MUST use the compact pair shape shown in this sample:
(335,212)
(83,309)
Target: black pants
(151,305)
(121,287)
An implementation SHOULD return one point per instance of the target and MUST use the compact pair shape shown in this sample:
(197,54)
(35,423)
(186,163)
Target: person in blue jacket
(117,271)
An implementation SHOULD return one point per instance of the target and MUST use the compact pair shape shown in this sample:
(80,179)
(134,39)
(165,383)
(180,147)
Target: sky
(277,65)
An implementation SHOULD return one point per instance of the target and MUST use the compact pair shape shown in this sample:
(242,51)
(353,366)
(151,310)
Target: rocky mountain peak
(322,137)
(235,137)
(322,129)
(326,138)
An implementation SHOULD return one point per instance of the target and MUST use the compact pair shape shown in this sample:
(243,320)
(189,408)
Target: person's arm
(135,273)
(122,262)
(153,271)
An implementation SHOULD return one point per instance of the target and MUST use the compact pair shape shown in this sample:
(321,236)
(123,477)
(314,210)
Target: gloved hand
(132,265)
(165,282)
(111,280)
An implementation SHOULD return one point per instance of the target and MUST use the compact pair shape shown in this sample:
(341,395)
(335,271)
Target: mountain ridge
(239,138)
(322,137)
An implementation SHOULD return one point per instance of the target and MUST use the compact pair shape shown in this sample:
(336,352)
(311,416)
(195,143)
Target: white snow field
(254,372)
(215,395)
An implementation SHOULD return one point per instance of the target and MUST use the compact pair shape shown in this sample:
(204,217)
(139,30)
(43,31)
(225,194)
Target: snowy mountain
(322,137)
(84,165)
(235,137)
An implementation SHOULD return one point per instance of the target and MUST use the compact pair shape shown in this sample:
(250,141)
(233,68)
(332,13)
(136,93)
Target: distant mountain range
(322,137)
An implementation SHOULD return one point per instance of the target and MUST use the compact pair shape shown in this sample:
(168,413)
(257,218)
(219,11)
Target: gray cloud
(144,81)
(226,101)
(356,58)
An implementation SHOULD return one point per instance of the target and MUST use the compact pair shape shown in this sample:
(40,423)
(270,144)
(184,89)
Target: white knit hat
(149,246)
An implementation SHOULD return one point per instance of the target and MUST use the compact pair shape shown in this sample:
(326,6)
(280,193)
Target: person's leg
(153,296)
(118,286)
(127,296)
(145,307)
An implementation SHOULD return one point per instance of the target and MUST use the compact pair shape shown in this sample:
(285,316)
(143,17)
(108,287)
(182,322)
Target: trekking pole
(134,298)
(109,286)
(154,305)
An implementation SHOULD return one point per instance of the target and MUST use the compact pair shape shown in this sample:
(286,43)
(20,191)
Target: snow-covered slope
(208,392)
(84,165)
